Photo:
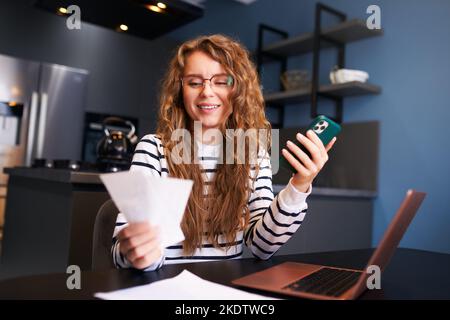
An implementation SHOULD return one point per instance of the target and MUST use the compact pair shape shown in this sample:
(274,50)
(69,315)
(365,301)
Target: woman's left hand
(307,168)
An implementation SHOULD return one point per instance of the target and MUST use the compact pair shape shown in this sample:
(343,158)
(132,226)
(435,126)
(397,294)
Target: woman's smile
(208,107)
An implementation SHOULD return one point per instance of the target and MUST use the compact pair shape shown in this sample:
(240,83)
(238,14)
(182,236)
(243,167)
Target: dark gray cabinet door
(331,224)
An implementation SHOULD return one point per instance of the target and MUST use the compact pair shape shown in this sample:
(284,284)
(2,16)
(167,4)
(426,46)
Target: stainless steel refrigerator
(41,114)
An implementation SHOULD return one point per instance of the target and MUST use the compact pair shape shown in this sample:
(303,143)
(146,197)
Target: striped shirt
(273,220)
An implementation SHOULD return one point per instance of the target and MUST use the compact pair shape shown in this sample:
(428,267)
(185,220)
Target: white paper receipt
(185,286)
(144,197)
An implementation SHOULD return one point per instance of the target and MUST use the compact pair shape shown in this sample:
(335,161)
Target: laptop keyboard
(326,281)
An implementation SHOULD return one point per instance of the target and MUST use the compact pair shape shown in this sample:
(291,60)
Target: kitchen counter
(49,219)
(67,176)
(55,175)
(51,214)
(335,192)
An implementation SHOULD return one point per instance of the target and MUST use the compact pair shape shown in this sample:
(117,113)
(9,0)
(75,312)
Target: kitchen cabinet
(337,219)
(49,220)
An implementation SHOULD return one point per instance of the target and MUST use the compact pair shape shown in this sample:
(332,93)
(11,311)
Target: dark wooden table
(411,274)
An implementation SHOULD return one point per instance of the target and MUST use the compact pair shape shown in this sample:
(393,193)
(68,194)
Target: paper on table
(185,286)
(144,197)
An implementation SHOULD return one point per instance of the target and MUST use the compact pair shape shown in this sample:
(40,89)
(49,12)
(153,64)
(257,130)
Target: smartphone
(325,128)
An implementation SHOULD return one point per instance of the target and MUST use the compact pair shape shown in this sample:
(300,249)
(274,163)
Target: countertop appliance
(115,149)
(109,142)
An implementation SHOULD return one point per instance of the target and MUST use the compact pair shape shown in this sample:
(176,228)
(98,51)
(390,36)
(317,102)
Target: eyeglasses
(218,82)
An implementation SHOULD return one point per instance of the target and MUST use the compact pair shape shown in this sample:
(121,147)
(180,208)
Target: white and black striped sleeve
(273,220)
(147,158)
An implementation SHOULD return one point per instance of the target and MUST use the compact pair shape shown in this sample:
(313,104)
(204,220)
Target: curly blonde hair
(225,211)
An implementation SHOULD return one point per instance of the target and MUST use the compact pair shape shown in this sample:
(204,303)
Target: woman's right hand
(140,244)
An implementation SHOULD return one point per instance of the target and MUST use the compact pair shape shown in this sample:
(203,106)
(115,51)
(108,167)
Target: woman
(212,82)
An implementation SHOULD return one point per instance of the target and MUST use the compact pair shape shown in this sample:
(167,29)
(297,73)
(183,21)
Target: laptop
(328,282)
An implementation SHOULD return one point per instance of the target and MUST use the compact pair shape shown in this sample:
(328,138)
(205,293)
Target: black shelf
(344,32)
(353,88)
(337,36)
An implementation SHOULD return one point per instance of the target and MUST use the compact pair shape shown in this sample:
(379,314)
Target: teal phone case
(325,128)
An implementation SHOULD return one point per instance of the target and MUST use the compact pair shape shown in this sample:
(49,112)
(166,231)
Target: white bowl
(348,75)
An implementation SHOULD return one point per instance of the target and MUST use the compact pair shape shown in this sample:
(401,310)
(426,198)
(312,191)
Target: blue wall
(411,62)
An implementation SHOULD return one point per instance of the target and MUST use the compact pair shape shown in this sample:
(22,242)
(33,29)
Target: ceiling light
(161,5)
(123,27)
(62,10)
(154,8)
